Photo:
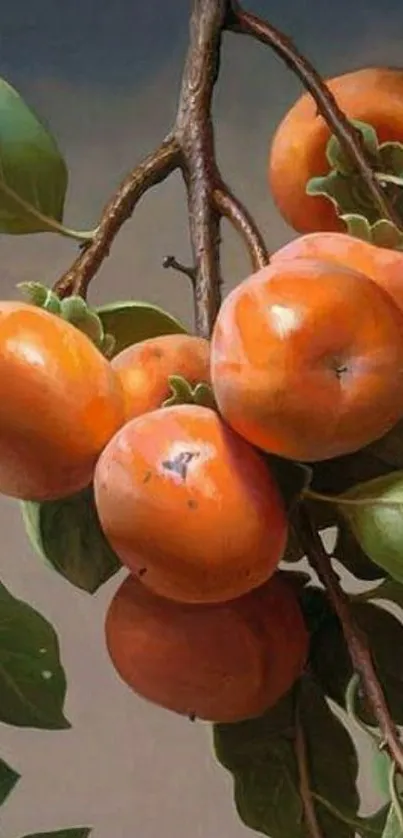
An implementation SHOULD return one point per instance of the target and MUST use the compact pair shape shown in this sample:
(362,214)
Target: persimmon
(298,149)
(60,404)
(222,663)
(383,265)
(189,505)
(145,367)
(307,360)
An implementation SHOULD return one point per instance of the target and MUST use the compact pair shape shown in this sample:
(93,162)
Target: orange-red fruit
(383,265)
(298,150)
(60,403)
(189,505)
(145,367)
(307,360)
(221,663)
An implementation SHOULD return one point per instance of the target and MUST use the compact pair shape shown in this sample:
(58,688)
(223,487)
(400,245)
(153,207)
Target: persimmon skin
(298,148)
(189,505)
(145,367)
(221,663)
(383,265)
(307,360)
(60,403)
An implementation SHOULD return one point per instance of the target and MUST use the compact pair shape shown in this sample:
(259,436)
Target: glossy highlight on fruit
(60,403)
(190,506)
(145,367)
(383,265)
(307,360)
(298,150)
(221,663)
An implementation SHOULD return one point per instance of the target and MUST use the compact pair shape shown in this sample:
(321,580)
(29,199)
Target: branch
(232,209)
(152,170)
(356,640)
(303,771)
(247,24)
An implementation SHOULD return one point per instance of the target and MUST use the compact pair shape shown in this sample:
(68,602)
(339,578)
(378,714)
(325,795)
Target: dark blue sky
(111,43)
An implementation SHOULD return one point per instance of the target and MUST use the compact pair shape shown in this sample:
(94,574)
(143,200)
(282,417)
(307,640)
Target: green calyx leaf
(184,393)
(132,322)
(41,296)
(8,779)
(353,203)
(262,755)
(32,679)
(68,535)
(78,312)
(374,511)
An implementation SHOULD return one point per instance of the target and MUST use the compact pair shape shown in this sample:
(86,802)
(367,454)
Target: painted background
(105,77)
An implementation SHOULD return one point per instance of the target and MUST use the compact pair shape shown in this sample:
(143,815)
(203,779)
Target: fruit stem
(301,754)
(355,638)
(339,500)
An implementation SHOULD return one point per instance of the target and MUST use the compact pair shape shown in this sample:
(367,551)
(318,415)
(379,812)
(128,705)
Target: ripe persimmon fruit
(190,506)
(145,367)
(298,149)
(60,403)
(307,360)
(222,663)
(383,265)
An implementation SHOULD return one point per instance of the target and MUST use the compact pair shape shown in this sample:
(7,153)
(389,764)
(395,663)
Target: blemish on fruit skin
(180,463)
(147,476)
(192,504)
(142,572)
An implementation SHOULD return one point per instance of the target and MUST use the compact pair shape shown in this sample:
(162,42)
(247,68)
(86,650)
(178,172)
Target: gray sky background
(105,77)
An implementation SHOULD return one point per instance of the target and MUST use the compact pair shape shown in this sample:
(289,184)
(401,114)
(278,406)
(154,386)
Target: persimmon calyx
(74,309)
(344,187)
(182,392)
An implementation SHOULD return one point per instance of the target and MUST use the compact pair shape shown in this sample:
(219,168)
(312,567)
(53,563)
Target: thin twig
(356,640)
(152,170)
(231,208)
(248,24)
(303,771)
(172,262)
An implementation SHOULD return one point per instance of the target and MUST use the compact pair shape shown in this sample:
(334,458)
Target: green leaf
(261,755)
(32,680)
(132,322)
(392,827)
(387,590)
(74,832)
(67,533)
(376,519)
(385,637)
(389,449)
(33,174)
(391,156)
(373,825)
(8,779)
(348,551)
(333,477)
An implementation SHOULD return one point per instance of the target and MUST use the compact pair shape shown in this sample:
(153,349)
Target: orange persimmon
(222,663)
(307,360)
(60,403)
(383,265)
(145,367)
(298,149)
(190,506)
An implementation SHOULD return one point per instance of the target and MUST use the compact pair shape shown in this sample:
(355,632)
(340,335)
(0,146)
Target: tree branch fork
(189,147)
